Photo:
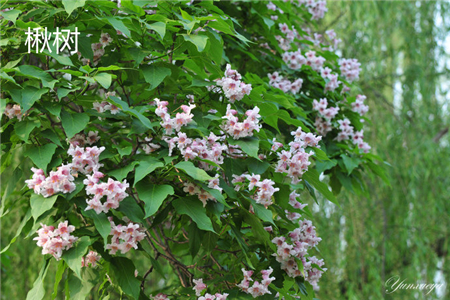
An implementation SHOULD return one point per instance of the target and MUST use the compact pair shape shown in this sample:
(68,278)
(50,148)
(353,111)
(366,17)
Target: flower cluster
(91,259)
(347,133)
(149,147)
(291,34)
(98,49)
(160,296)
(350,69)
(199,287)
(85,160)
(124,237)
(232,86)
(295,248)
(193,189)
(80,139)
(181,119)
(264,188)
(257,289)
(113,190)
(316,8)
(54,241)
(322,107)
(12,111)
(285,85)
(208,148)
(358,106)
(238,129)
(59,181)
(103,106)
(295,162)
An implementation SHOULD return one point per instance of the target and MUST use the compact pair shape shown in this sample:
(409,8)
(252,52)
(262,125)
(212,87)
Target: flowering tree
(148,144)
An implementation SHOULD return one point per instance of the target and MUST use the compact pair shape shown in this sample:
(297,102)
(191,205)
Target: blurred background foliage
(402,229)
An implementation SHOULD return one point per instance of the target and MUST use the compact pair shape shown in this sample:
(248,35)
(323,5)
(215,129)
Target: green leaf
(35,72)
(59,274)
(124,275)
(27,97)
(122,173)
(320,154)
(117,24)
(79,289)
(153,195)
(193,171)
(249,145)
(24,128)
(159,27)
(124,106)
(41,155)
(132,210)
(154,75)
(71,5)
(209,241)
(379,171)
(194,239)
(198,40)
(73,256)
(40,205)
(145,168)
(38,290)
(193,207)
(104,79)
(263,213)
(101,223)
(11,15)
(350,162)
(73,123)
(312,176)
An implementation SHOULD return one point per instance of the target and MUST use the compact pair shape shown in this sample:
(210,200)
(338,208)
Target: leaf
(132,210)
(145,168)
(117,24)
(320,154)
(40,205)
(263,213)
(122,173)
(79,289)
(71,5)
(312,176)
(59,274)
(38,290)
(153,195)
(73,123)
(124,275)
(73,256)
(194,239)
(249,145)
(350,162)
(159,27)
(379,171)
(101,223)
(154,75)
(124,106)
(193,171)
(24,128)
(209,241)
(104,79)
(41,155)
(11,15)
(27,97)
(193,207)
(198,40)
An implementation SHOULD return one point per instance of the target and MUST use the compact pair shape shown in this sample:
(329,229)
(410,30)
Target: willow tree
(402,229)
